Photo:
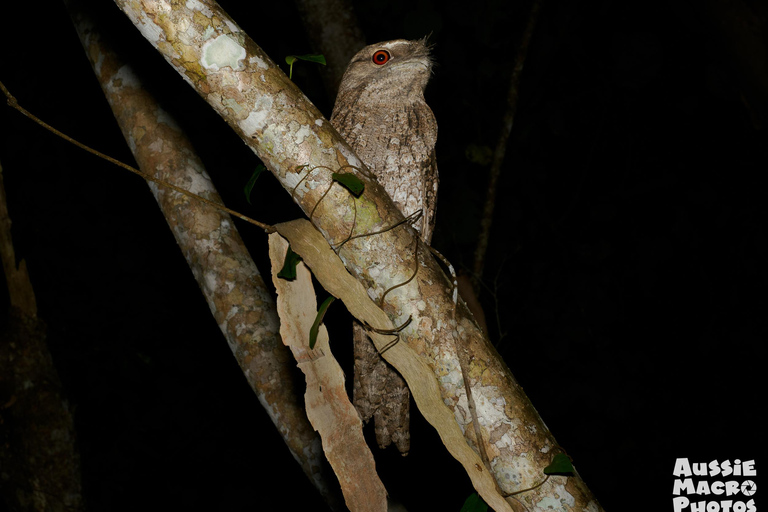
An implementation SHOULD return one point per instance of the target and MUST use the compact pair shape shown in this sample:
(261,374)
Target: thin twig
(452,271)
(408,220)
(396,332)
(14,104)
(312,213)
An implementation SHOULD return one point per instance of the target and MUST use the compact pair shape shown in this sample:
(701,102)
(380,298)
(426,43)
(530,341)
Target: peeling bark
(328,406)
(301,149)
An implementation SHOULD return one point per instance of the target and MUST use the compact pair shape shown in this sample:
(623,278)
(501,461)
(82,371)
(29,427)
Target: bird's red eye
(381,57)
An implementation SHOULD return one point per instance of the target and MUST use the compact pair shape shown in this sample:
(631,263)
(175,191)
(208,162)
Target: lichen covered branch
(292,138)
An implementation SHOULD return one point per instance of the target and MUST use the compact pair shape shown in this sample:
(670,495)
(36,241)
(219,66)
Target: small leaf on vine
(317,58)
(318,320)
(474,504)
(350,182)
(288,272)
(252,182)
(560,465)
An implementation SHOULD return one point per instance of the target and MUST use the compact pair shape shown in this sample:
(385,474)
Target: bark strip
(328,406)
(330,272)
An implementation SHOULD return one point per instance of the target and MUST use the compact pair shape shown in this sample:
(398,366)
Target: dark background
(625,283)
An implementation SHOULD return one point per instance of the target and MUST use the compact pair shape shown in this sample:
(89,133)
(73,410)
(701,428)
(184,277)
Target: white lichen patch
(226,228)
(319,122)
(233,312)
(376,270)
(257,119)
(350,157)
(240,329)
(451,380)
(195,5)
(233,106)
(205,246)
(198,181)
(261,63)
(151,31)
(273,138)
(125,77)
(566,498)
(186,31)
(460,409)
(505,441)
(210,281)
(231,26)
(156,146)
(292,179)
(303,132)
(560,499)
(98,63)
(507,475)
(293,139)
(490,406)
(549,503)
(222,52)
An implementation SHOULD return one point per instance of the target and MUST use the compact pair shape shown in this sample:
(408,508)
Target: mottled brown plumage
(381,112)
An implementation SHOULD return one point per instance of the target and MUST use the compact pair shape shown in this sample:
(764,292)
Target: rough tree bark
(232,285)
(302,150)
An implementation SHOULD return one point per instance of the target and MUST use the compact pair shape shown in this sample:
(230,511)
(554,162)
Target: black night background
(625,284)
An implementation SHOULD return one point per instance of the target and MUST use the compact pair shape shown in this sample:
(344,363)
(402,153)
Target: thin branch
(13,103)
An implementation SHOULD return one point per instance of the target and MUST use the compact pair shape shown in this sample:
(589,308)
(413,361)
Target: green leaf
(252,182)
(288,272)
(290,59)
(474,504)
(318,320)
(561,464)
(350,182)
(317,58)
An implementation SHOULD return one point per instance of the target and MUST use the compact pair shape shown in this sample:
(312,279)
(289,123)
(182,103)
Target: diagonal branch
(290,136)
(232,285)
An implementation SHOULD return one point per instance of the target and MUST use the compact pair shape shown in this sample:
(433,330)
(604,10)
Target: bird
(381,112)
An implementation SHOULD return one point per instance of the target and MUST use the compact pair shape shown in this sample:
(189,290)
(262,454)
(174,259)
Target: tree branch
(291,137)
(232,285)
